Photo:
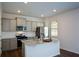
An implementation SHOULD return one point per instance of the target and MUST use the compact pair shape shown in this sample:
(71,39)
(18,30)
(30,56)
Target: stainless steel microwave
(20,28)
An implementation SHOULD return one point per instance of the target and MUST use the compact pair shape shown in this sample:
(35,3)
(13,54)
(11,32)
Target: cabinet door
(12,25)
(33,26)
(5,25)
(40,24)
(13,43)
(5,44)
(21,22)
(29,25)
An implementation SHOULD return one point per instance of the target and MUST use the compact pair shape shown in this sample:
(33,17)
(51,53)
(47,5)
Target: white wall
(68,30)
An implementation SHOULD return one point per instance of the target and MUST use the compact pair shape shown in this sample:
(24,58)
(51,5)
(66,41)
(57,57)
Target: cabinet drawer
(9,44)
(5,44)
(13,43)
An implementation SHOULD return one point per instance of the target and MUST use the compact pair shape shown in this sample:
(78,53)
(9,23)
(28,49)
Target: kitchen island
(38,48)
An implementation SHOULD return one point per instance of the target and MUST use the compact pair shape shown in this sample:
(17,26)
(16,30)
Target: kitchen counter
(8,35)
(38,48)
(37,41)
(31,42)
(9,41)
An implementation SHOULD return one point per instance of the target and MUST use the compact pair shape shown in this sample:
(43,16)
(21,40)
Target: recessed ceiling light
(42,15)
(19,11)
(54,10)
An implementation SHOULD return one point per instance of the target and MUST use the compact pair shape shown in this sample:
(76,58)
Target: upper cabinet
(5,25)
(40,24)
(21,22)
(8,25)
(12,25)
(34,25)
(29,23)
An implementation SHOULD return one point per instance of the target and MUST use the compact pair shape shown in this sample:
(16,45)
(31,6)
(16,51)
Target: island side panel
(42,50)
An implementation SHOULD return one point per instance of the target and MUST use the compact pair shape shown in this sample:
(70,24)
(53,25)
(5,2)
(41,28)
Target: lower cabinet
(9,44)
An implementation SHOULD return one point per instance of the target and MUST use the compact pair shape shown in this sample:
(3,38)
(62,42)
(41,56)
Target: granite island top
(37,41)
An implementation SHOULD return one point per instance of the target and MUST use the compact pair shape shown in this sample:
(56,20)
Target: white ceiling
(35,9)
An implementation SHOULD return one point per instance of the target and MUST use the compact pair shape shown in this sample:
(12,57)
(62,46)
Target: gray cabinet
(40,24)
(8,25)
(9,44)
(29,25)
(21,22)
(12,25)
(5,44)
(5,25)
(13,43)
(34,25)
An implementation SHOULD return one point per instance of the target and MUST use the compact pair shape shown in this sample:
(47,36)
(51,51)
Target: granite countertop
(8,35)
(37,41)
(32,42)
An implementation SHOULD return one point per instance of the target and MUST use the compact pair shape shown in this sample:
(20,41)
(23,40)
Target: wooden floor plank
(18,53)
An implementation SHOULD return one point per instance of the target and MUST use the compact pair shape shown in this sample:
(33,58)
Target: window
(54,29)
(46,32)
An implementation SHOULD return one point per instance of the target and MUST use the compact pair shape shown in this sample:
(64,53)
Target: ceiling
(35,9)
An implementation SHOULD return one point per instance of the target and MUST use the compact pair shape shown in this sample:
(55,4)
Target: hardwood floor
(12,53)
(18,53)
(65,53)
